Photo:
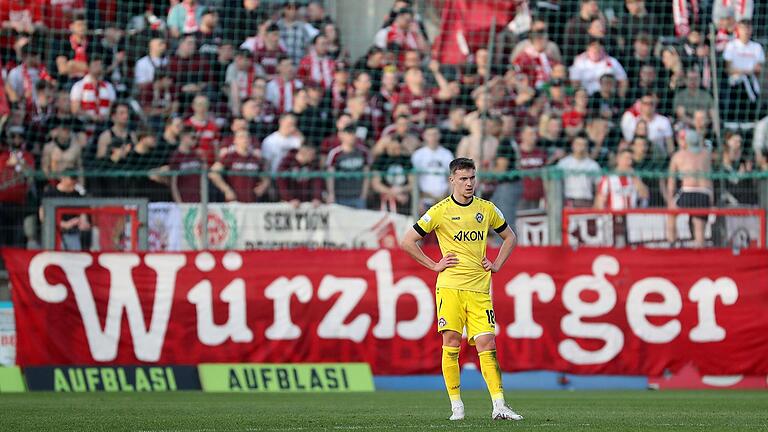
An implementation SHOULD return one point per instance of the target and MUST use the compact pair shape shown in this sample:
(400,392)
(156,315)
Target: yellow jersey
(463,229)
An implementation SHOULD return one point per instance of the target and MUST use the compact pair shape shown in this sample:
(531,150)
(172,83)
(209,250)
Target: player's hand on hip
(489,266)
(449,260)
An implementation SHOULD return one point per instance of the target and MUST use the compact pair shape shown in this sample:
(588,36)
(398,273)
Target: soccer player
(461,223)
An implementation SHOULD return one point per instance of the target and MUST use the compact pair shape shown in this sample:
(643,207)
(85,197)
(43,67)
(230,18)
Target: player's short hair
(460,164)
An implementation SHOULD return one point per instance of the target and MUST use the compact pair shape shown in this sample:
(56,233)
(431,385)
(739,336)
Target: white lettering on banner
(236,327)
(704,292)
(280,291)
(352,291)
(389,292)
(638,309)
(522,288)
(122,296)
(572,325)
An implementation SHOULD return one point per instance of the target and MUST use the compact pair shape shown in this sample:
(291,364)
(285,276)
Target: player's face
(463,182)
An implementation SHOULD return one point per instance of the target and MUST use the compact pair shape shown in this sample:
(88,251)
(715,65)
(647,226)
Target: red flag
(465,26)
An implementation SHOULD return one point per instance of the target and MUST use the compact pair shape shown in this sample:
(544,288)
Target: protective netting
(652,103)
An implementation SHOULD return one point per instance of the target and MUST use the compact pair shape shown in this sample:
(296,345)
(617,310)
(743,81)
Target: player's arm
(410,244)
(510,241)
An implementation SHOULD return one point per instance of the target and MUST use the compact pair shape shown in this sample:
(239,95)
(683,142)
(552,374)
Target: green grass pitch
(406,411)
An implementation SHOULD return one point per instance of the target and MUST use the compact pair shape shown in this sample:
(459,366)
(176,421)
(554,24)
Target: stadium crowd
(254,87)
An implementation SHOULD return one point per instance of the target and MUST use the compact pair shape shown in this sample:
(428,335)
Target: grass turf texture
(412,411)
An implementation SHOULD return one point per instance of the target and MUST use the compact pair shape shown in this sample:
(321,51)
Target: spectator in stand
(278,144)
(189,71)
(431,161)
(621,190)
(205,126)
(634,22)
(673,81)
(648,82)
(240,17)
(92,97)
(15,165)
(744,63)
(336,50)
(158,100)
(692,99)
(334,140)
(419,99)
(118,134)
(402,131)
(317,16)
(112,46)
(185,187)
(146,158)
(725,21)
(644,162)
(452,130)
(538,28)
(579,186)
(478,146)
(209,34)
(58,15)
(361,118)
(640,55)
(299,187)
(317,67)
(154,61)
(392,178)
(607,103)
(402,35)
(736,191)
(574,119)
(71,226)
(361,88)
(659,127)
(690,165)
(294,34)
(239,78)
(240,165)
(21,83)
(575,36)
(184,18)
(372,63)
(531,158)
(281,89)
(19,20)
(534,60)
(701,125)
(348,158)
(72,53)
(267,48)
(336,96)
(592,64)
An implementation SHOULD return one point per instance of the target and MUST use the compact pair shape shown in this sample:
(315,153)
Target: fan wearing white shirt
(744,61)
(434,159)
(277,144)
(592,64)
(579,186)
(660,132)
(144,72)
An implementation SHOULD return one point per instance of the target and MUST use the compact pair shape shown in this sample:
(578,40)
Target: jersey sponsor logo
(479,217)
(469,236)
(456,218)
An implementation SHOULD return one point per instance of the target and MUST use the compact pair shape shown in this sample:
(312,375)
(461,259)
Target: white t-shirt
(144,72)
(435,161)
(744,56)
(579,186)
(588,72)
(275,146)
(659,129)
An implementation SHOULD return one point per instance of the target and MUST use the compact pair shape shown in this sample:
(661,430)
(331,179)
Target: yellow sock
(489,366)
(451,372)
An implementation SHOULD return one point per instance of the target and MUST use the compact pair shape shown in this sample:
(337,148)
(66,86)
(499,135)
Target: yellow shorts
(459,308)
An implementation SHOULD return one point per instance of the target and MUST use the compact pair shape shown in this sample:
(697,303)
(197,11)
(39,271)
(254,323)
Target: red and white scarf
(685,14)
(190,21)
(284,95)
(92,100)
(322,69)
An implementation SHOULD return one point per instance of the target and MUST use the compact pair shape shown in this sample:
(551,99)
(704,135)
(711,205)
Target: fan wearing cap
(595,62)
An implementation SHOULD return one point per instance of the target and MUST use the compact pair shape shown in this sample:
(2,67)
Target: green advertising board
(263,377)
(11,380)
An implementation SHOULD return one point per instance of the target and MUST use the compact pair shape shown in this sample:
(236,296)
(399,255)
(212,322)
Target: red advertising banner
(585,311)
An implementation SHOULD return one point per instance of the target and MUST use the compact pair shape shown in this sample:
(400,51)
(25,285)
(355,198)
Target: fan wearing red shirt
(531,158)
(417,97)
(266,48)
(534,60)
(59,14)
(205,127)
(317,67)
(240,165)
(19,19)
(298,189)
(186,187)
